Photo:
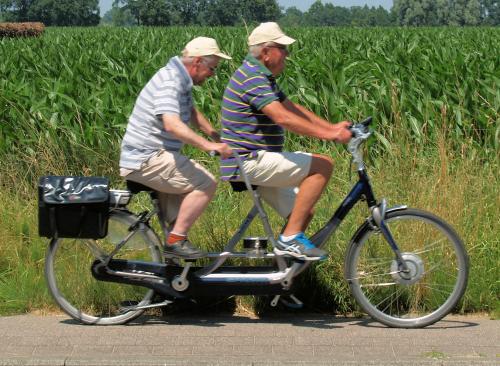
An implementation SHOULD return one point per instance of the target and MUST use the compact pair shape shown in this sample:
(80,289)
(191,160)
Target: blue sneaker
(300,247)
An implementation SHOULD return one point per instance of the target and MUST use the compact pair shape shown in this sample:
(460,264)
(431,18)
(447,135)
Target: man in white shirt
(156,131)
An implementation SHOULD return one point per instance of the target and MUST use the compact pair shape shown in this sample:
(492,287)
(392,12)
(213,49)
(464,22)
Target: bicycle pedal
(310,259)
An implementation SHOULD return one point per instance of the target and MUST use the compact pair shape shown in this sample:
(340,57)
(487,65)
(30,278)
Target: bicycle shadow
(298,319)
(217,312)
(206,313)
(220,320)
(440,325)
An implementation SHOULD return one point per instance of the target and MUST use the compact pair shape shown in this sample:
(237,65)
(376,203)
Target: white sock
(288,238)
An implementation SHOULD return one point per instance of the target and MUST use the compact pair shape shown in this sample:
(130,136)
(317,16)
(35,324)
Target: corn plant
(433,92)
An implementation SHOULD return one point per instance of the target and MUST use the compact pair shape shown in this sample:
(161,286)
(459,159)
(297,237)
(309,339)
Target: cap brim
(284,40)
(222,55)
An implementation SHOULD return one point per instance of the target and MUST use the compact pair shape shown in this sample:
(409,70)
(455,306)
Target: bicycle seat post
(256,200)
(134,188)
(157,210)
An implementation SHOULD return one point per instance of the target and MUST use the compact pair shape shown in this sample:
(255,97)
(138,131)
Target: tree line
(446,12)
(191,12)
(237,12)
(51,12)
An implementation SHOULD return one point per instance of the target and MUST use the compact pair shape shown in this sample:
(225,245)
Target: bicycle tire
(438,263)
(87,300)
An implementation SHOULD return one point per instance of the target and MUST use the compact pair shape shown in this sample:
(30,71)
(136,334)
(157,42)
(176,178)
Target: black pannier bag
(73,207)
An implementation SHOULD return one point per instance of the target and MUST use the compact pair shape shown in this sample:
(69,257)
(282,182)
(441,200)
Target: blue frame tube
(360,188)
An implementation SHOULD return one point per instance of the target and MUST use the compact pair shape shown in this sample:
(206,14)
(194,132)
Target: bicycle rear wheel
(79,294)
(436,259)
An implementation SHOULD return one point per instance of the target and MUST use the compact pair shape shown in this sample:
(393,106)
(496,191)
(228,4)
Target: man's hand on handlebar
(222,149)
(343,134)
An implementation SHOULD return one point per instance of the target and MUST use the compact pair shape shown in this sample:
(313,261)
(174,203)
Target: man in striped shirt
(157,129)
(255,113)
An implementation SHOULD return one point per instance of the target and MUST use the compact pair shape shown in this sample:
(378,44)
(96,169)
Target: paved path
(236,340)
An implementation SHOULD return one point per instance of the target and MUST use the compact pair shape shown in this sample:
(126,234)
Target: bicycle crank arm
(144,274)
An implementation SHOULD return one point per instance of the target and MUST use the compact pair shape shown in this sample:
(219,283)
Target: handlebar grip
(367,122)
(214,153)
(361,127)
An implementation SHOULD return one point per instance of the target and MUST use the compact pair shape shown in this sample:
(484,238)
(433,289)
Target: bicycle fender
(369,224)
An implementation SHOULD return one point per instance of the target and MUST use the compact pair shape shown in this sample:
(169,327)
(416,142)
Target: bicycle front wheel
(437,262)
(70,281)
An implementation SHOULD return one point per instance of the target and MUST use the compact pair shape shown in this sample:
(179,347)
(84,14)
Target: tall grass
(434,94)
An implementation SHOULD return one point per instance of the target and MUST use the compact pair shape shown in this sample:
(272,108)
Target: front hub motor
(415,267)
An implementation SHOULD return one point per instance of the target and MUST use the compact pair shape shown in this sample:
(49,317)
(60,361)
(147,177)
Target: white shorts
(172,175)
(278,175)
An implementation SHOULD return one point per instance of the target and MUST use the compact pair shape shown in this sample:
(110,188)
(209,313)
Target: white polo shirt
(168,92)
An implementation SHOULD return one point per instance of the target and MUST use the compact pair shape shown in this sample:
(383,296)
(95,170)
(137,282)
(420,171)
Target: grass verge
(460,189)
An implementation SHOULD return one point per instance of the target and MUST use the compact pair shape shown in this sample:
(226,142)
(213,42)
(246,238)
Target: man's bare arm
(299,110)
(199,121)
(179,130)
(302,125)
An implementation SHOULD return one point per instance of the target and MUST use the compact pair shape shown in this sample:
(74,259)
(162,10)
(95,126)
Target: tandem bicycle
(405,267)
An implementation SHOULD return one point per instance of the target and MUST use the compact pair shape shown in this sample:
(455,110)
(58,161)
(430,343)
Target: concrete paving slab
(301,339)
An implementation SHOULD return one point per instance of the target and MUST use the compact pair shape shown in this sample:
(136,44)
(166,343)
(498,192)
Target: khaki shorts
(278,175)
(173,175)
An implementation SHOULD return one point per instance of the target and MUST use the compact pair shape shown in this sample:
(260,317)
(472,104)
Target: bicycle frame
(361,189)
(184,280)
(406,290)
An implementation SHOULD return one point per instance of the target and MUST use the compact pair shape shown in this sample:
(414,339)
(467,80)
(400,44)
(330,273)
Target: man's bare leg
(191,208)
(309,193)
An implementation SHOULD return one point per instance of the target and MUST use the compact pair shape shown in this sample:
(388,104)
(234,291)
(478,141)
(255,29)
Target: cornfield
(433,92)
(82,83)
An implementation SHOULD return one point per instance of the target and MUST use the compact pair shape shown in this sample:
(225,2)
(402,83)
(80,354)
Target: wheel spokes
(433,269)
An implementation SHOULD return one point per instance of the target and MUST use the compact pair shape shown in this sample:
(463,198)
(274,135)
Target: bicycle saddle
(241,186)
(135,187)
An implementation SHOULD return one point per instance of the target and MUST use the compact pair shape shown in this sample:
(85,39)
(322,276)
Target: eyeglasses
(284,48)
(213,69)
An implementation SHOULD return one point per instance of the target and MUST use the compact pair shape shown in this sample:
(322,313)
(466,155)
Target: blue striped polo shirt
(244,127)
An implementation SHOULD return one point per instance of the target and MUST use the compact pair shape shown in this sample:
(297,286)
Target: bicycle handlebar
(361,129)
(360,133)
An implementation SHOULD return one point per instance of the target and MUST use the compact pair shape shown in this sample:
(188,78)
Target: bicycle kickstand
(296,304)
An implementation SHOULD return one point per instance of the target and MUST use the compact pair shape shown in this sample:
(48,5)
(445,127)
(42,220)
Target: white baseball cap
(203,46)
(269,32)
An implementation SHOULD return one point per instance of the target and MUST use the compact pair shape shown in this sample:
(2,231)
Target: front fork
(378,218)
